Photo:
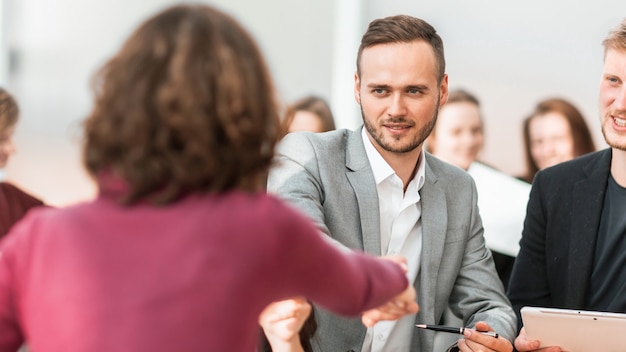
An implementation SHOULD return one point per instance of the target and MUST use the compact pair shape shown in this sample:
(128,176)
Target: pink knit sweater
(190,276)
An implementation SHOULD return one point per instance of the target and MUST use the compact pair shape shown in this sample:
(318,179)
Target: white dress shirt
(400,234)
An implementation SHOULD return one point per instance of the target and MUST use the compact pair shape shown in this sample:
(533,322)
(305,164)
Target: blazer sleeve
(529,279)
(296,179)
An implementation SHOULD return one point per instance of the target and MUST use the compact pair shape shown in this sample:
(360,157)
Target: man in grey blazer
(375,189)
(573,248)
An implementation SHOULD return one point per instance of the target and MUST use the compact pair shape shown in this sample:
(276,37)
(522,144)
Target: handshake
(403,304)
(281,321)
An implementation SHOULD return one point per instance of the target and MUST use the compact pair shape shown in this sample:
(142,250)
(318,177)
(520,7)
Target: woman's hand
(281,322)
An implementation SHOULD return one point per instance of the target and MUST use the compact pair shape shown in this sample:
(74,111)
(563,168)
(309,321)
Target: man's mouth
(619,122)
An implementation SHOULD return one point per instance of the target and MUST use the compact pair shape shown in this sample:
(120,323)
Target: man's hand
(401,305)
(396,308)
(523,344)
(475,341)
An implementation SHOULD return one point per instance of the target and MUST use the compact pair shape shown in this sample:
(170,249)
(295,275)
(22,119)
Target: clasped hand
(403,304)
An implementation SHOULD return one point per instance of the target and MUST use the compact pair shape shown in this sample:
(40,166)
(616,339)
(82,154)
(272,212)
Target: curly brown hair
(187,105)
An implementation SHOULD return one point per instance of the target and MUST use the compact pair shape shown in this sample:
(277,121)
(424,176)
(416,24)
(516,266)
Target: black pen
(454,330)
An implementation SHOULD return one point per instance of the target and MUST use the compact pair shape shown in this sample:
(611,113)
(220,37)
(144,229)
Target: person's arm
(345,282)
(529,280)
(295,178)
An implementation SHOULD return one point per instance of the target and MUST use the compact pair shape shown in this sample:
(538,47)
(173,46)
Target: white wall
(58,44)
(509,54)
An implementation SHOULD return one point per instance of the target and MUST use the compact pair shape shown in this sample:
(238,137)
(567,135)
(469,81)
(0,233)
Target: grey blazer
(328,177)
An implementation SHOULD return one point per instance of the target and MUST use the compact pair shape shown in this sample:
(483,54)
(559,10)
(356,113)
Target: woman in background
(458,138)
(14,203)
(182,249)
(310,113)
(555,132)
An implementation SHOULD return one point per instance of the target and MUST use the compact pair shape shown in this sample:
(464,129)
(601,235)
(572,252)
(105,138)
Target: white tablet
(575,330)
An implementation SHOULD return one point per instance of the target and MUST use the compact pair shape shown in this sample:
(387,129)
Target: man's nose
(397,106)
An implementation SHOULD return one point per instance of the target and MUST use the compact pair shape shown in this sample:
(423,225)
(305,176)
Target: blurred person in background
(555,132)
(311,113)
(14,202)
(182,249)
(458,138)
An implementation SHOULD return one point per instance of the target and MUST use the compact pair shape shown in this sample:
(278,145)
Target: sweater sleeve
(343,281)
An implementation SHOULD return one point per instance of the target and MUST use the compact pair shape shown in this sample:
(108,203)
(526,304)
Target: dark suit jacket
(554,265)
(14,204)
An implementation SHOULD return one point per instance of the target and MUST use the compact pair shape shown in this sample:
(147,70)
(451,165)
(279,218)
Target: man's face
(613,99)
(399,94)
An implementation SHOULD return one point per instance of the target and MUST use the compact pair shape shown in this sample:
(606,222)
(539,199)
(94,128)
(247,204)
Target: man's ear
(443,91)
(357,88)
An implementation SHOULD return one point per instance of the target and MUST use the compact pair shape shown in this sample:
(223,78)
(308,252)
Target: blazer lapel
(434,220)
(588,199)
(361,178)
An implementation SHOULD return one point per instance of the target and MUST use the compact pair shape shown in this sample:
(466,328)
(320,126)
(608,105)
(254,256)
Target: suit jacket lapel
(361,178)
(434,219)
(588,199)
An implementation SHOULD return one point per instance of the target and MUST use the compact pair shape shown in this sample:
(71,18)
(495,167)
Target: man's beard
(416,142)
(615,142)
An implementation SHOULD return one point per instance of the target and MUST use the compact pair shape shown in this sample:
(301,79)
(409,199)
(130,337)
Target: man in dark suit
(573,247)
(376,190)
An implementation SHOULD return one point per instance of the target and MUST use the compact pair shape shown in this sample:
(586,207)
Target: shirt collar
(382,170)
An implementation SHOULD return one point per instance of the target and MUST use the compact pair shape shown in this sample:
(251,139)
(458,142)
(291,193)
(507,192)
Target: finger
(483,326)
(477,341)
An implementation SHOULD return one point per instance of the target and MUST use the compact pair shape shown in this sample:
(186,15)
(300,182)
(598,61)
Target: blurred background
(509,54)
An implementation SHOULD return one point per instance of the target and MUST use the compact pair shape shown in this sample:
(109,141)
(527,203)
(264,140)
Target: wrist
(291,345)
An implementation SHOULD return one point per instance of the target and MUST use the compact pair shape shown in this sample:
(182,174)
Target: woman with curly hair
(182,249)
